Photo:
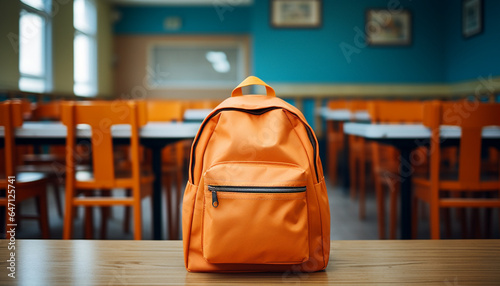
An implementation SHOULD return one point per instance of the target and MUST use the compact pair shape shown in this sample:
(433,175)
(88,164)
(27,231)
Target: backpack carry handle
(252,80)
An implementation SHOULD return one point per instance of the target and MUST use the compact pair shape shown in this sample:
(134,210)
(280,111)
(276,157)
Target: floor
(345,224)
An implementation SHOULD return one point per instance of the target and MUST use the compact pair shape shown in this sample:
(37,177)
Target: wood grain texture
(93,262)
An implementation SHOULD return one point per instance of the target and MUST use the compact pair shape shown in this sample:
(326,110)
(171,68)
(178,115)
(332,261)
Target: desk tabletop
(94,262)
(343,114)
(150,130)
(196,114)
(408,131)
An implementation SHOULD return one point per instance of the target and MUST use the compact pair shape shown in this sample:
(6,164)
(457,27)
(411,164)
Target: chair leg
(168,198)
(104,221)
(379,193)
(44,217)
(476,223)
(15,219)
(434,221)
(447,222)
(178,203)
(462,217)
(332,153)
(126,214)
(57,195)
(414,218)
(18,211)
(393,213)
(152,216)
(487,223)
(465,223)
(423,212)
(68,215)
(362,185)
(137,214)
(89,223)
(352,174)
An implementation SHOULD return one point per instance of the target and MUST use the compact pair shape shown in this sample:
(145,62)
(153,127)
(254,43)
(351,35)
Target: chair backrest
(202,104)
(101,116)
(357,105)
(337,104)
(165,110)
(11,116)
(396,111)
(471,117)
(47,111)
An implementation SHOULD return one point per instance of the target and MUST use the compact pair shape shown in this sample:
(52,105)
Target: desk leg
(405,194)
(346,178)
(157,200)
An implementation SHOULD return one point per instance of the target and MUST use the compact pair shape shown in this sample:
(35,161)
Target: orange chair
(202,104)
(335,139)
(47,111)
(359,157)
(47,163)
(27,184)
(172,159)
(385,163)
(469,177)
(101,116)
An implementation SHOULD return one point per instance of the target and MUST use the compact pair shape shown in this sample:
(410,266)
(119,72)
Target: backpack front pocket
(256,221)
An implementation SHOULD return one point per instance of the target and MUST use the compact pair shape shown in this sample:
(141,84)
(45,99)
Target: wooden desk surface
(94,262)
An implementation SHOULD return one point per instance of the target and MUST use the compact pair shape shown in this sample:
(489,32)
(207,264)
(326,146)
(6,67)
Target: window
(34,46)
(197,64)
(85,48)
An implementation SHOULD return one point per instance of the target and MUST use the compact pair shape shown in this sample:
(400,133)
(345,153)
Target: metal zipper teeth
(256,189)
(256,112)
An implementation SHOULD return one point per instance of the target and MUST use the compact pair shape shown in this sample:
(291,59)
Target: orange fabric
(252,80)
(255,141)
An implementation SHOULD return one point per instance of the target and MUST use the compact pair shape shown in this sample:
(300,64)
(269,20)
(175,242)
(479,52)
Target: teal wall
(311,55)
(438,52)
(144,20)
(475,57)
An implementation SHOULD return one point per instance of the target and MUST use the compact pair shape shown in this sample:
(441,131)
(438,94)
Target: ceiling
(184,2)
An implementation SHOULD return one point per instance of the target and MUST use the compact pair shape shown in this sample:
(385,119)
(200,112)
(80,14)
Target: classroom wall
(62,48)
(133,69)
(104,49)
(309,55)
(149,20)
(475,57)
(9,45)
(312,56)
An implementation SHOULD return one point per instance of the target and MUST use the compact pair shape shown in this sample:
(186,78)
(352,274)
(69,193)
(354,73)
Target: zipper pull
(215,201)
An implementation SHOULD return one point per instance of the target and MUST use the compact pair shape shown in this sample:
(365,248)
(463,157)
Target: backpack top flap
(258,104)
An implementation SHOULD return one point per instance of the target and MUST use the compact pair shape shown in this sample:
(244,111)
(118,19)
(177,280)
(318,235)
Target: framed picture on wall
(296,13)
(472,17)
(388,27)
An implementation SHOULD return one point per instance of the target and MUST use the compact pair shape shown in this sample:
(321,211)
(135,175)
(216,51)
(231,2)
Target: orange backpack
(256,198)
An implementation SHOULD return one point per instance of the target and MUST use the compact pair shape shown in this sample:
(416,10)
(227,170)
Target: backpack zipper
(252,189)
(260,111)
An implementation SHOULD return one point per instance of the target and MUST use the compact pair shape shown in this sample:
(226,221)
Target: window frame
(46,44)
(93,76)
